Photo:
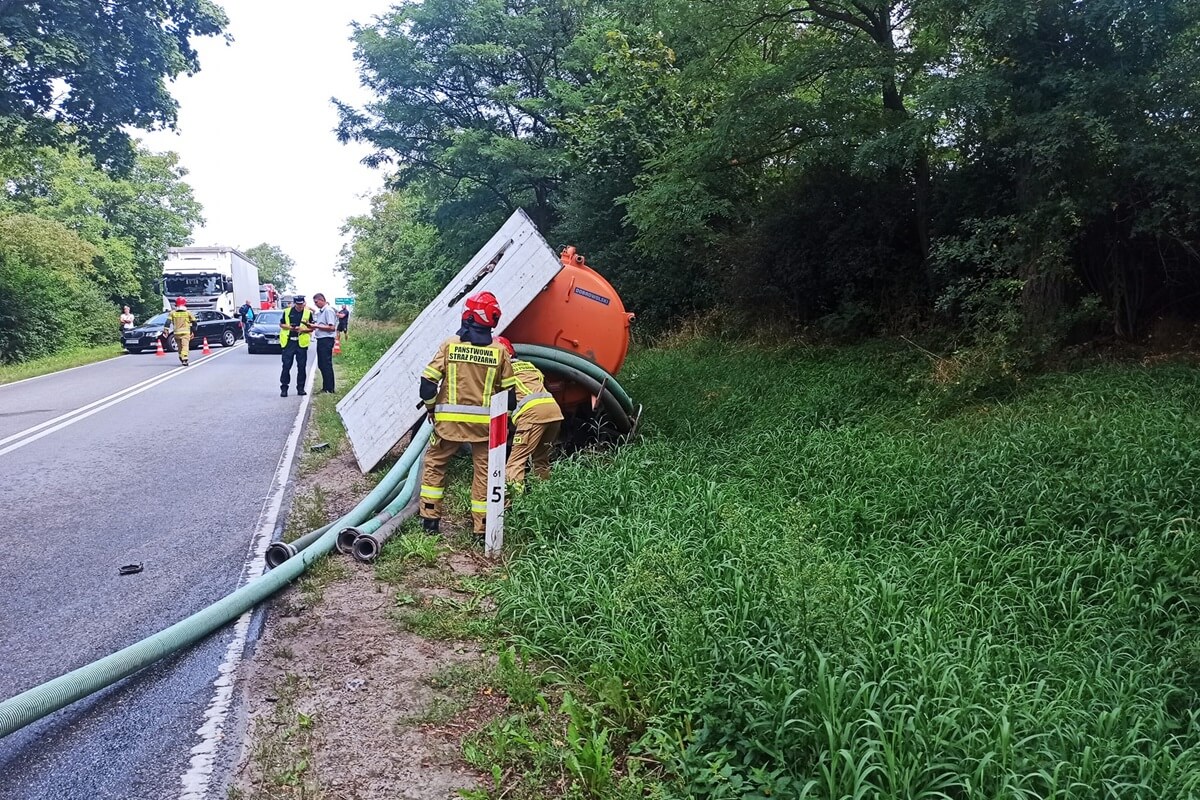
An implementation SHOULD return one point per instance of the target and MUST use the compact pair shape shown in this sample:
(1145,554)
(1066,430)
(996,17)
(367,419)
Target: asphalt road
(176,476)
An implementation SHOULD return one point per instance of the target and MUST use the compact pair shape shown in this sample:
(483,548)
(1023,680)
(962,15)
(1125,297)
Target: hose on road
(33,704)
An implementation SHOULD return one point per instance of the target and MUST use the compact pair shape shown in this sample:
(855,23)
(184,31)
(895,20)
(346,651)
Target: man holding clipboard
(295,330)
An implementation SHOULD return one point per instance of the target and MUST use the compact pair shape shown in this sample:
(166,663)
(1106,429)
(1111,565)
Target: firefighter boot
(433,479)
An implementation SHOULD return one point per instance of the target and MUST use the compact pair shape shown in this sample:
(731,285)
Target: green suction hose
(580,363)
(347,537)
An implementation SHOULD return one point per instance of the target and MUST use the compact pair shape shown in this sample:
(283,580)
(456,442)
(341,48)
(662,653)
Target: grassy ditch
(368,342)
(814,577)
(75,357)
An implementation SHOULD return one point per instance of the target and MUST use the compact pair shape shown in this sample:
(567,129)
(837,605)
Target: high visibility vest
(285,334)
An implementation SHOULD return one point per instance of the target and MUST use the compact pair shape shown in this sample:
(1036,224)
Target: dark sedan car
(219,329)
(263,336)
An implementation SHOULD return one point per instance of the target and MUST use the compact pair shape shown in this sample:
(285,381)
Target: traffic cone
(337,347)
(206,351)
(159,351)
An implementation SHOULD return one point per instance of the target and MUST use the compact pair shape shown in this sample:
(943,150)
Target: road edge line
(196,780)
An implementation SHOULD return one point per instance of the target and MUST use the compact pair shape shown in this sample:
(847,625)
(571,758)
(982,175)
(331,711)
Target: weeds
(811,579)
(307,514)
(322,572)
(283,754)
(75,357)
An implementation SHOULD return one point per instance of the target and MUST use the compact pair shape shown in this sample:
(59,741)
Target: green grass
(816,577)
(370,340)
(283,750)
(75,357)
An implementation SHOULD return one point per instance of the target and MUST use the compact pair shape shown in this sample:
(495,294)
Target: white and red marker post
(497,452)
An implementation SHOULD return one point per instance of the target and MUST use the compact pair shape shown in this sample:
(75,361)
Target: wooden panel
(515,265)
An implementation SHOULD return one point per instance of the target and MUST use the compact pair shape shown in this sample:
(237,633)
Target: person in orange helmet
(537,418)
(182,322)
(457,388)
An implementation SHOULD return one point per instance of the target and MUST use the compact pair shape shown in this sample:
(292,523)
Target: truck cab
(209,278)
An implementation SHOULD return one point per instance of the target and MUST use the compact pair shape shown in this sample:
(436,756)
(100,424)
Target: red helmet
(506,344)
(179,301)
(483,308)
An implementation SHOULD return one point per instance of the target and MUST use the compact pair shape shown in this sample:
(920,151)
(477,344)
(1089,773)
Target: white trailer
(216,278)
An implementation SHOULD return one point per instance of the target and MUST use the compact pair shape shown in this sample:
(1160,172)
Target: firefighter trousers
(183,342)
(433,480)
(532,440)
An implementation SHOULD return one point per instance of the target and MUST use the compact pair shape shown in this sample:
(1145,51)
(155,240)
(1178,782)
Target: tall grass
(816,582)
(65,359)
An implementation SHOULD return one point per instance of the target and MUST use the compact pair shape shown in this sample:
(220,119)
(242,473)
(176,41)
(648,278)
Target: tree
(130,220)
(469,96)
(86,70)
(50,299)
(274,266)
(395,261)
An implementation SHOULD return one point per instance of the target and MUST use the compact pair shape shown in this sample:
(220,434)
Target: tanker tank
(581,313)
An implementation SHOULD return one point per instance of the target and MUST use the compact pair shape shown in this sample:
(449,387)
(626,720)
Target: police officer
(537,418)
(181,321)
(294,331)
(457,389)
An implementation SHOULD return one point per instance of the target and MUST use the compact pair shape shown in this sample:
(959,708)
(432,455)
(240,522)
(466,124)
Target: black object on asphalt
(130,569)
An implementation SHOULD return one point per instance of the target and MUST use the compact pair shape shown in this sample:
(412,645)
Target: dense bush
(994,167)
(50,299)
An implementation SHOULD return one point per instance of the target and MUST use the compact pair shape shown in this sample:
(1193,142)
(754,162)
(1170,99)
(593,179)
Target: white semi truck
(216,278)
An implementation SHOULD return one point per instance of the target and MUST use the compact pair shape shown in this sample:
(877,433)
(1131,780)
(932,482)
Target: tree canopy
(86,70)
(1022,169)
(274,266)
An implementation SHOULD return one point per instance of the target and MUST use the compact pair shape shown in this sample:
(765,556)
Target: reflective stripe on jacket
(467,376)
(535,406)
(285,334)
(181,321)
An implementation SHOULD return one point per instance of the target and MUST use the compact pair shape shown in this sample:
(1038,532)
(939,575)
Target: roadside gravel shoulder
(366,679)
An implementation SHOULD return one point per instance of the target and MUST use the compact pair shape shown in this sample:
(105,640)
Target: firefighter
(457,389)
(537,418)
(181,321)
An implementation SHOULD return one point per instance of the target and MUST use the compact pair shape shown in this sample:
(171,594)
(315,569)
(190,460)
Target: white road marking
(82,413)
(199,774)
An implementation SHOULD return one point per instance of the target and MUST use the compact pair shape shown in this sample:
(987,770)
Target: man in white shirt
(325,323)
(126,320)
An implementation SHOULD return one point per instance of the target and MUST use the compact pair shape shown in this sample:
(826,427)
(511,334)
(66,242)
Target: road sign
(343,301)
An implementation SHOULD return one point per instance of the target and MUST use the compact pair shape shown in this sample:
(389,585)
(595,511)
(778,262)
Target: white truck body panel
(515,265)
(216,278)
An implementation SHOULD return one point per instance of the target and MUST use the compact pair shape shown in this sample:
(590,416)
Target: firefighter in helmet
(457,389)
(181,321)
(537,418)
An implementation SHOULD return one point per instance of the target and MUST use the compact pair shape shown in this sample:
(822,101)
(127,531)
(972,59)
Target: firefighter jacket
(305,320)
(467,375)
(181,320)
(535,405)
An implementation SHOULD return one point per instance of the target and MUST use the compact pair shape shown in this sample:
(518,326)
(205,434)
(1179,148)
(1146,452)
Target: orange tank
(579,311)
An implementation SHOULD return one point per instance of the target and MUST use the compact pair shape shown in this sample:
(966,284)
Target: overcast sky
(256,132)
